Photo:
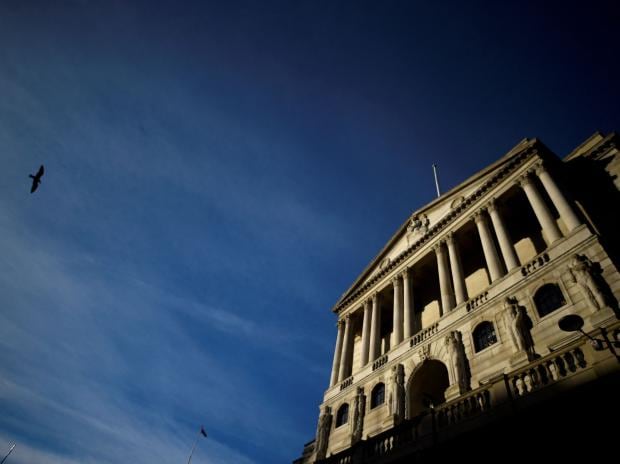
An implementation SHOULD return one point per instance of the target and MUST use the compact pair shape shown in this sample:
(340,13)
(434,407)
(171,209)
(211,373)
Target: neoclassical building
(457,329)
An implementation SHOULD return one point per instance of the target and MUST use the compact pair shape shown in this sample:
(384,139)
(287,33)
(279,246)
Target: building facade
(455,325)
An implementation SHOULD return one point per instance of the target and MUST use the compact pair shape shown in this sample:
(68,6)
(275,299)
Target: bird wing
(35,184)
(40,172)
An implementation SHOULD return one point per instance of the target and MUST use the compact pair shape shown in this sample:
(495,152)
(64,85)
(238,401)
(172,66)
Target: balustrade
(423,334)
(380,362)
(535,264)
(546,371)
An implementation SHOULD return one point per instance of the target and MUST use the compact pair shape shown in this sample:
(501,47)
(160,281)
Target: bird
(36,179)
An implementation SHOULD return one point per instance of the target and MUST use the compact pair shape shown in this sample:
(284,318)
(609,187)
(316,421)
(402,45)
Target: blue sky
(217,174)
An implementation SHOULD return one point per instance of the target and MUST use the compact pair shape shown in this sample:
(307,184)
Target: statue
(397,396)
(418,224)
(583,273)
(518,328)
(322,433)
(456,350)
(358,415)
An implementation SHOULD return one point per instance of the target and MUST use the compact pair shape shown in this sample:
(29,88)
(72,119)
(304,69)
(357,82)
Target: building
(449,342)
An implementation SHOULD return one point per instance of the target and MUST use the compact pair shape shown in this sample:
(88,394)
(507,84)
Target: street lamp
(574,323)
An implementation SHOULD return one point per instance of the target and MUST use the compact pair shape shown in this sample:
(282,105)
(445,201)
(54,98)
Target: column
(375,329)
(347,349)
(407,310)
(445,286)
(557,198)
(457,270)
(366,332)
(488,247)
(397,330)
(546,220)
(337,353)
(505,243)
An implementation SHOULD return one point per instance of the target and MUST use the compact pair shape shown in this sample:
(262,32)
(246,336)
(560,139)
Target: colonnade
(452,287)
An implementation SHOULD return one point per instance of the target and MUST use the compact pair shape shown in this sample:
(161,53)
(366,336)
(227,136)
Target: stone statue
(358,415)
(518,328)
(583,273)
(456,350)
(418,224)
(397,396)
(322,433)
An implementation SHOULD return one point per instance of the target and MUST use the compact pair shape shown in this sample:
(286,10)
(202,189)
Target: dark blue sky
(218,173)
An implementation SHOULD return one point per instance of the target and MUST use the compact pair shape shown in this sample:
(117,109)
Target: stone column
(337,354)
(488,247)
(347,349)
(445,286)
(546,220)
(397,330)
(375,329)
(559,200)
(408,310)
(505,243)
(366,332)
(460,291)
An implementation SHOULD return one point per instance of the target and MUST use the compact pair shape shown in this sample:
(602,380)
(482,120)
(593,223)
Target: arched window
(548,298)
(342,416)
(377,396)
(484,336)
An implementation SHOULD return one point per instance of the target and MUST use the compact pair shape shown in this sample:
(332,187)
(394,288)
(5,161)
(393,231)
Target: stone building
(450,338)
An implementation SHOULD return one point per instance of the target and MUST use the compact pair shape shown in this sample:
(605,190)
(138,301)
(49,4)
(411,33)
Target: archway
(427,385)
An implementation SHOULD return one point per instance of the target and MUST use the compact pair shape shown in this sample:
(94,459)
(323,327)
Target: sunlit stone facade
(454,324)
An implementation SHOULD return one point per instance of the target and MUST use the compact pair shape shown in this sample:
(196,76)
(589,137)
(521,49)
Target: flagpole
(7,454)
(193,448)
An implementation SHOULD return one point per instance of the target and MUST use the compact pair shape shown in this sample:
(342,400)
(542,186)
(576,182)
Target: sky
(218,174)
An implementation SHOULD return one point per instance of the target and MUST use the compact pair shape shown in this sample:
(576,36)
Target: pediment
(422,221)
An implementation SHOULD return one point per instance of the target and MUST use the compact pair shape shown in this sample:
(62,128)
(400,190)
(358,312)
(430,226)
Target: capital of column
(375,298)
(339,323)
(367,304)
(491,205)
(396,282)
(524,179)
(437,247)
(406,273)
(450,238)
(478,216)
(539,167)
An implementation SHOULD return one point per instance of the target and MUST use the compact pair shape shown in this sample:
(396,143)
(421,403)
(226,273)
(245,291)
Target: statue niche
(519,324)
(398,393)
(458,361)
(322,432)
(584,273)
(358,415)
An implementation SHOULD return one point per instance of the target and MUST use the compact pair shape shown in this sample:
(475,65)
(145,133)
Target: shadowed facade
(451,333)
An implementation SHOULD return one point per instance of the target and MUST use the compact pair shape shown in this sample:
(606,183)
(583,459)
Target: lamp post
(574,323)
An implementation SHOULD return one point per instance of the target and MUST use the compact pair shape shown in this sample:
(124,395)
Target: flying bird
(36,179)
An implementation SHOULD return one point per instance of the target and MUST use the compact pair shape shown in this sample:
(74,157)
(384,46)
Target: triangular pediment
(423,221)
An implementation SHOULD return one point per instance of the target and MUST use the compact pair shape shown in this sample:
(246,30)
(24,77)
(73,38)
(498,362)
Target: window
(484,336)
(548,298)
(377,396)
(342,417)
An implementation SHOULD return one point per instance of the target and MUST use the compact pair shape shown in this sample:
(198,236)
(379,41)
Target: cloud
(103,358)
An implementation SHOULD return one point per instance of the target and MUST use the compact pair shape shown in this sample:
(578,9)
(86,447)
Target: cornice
(610,142)
(456,213)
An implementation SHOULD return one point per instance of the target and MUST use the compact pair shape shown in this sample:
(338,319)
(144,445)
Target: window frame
(536,300)
(476,334)
(373,392)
